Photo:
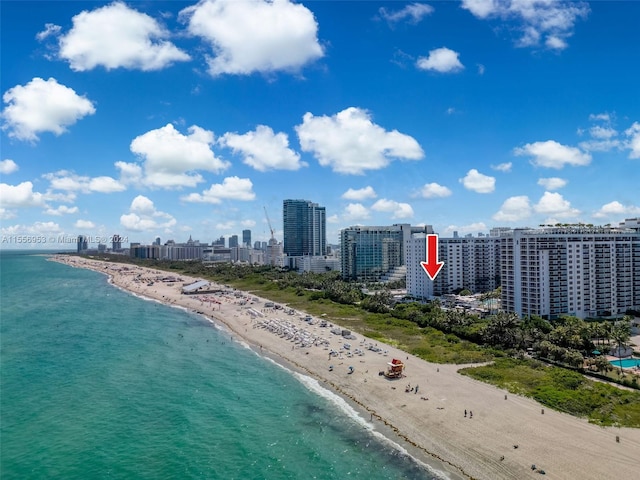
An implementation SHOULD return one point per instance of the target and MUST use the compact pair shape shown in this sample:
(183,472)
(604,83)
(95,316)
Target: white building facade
(581,271)
(471,263)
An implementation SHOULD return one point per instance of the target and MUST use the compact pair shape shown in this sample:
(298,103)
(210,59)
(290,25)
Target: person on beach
(465,413)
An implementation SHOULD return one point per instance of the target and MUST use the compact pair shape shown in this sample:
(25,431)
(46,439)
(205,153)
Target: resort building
(374,254)
(471,263)
(304,227)
(576,270)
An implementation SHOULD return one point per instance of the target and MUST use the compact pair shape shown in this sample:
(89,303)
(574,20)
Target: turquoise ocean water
(97,383)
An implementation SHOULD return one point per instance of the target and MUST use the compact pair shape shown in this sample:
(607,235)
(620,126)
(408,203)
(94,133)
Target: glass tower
(304,225)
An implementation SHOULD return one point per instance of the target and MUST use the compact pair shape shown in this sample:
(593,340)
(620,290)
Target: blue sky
(174,118)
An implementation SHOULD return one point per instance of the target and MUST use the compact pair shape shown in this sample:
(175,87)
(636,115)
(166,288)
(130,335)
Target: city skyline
(462,115)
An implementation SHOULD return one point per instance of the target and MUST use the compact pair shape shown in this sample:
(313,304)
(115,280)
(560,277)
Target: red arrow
(432,266)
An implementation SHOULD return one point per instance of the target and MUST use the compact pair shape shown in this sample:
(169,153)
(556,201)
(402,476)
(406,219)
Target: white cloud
(170,158)
(478,182)
(255,35)
(230,225)
(443,60)
(349,142)
(355,211)
(84,224)
(143,216)
(49,29)
(130,173)
(605,132)
(37,228)
(481,69)
(263,149)
(551,154)
(61,210)
(69,181)
(552,183)
(413,13)
(116,36)
(464,229)
(634,141)
(554,204)
(503,167)
(514,209)
(248,223)
(434,190)
(22,195)
(360,194)
(333,219)
(616,208)
(600,145)
(399,210)
(42,106)
(231,188)
(605,117)
(450,111)
(555,43)
(7,214)
(8,166)
(536,19)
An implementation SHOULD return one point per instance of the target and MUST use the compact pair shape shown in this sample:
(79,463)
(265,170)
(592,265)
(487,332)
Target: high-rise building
(304,225)
(233,241)
(219,242)
(116,244)
(576,270)
(83,243)
(246,238)
(370,253)
(471,263)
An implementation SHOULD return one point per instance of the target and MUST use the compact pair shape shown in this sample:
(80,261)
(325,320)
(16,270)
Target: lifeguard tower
(394,369)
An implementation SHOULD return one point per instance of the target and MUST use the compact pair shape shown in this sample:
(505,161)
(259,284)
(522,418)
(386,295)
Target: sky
(178,119)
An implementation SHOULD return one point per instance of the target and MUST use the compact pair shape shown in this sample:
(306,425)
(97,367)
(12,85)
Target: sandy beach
(505,435)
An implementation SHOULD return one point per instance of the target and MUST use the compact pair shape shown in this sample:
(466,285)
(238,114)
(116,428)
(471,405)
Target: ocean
(98,383)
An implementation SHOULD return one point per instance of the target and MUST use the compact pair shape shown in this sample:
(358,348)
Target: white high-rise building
(471,263)
(581,271)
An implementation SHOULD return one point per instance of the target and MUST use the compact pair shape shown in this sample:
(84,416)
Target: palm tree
(621,334)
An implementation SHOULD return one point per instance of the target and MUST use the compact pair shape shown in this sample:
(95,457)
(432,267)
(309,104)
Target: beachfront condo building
(471,263)
(373,254)
(576,270)
(304,226)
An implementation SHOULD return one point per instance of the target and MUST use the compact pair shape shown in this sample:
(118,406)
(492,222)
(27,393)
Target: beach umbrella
(596,352)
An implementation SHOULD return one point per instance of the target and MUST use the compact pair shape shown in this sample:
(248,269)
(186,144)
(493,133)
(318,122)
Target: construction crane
(273,237)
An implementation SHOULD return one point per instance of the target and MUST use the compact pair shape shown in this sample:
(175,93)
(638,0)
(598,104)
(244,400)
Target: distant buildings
(233,241)
(83,243)
(369,254)
(246,238)
(576,270)
(116,244)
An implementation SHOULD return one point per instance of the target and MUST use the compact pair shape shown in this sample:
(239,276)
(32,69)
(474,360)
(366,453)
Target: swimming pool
(626,362)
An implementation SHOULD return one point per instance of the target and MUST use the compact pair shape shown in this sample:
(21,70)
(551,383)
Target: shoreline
(505,437)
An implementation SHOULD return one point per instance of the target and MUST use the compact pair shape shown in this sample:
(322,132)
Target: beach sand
(505,437)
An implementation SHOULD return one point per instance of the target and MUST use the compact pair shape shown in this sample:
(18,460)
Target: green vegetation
(562,390)
(452,336)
